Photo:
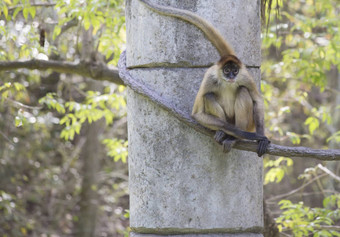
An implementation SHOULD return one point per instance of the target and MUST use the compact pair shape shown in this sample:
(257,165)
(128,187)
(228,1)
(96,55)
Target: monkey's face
(230,71)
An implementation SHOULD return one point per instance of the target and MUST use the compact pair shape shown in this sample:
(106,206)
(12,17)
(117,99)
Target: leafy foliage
(278,168)
(301,88)
(96,106)
(116,149)
(41,175)
(303,220)
(308,40)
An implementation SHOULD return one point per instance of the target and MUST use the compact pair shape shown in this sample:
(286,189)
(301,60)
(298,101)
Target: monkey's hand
(262,147)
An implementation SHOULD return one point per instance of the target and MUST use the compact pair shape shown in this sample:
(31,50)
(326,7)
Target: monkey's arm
(214,122)
(258,109)
(259,120)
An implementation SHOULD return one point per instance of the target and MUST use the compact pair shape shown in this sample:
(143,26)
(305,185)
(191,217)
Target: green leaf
(19,86)
(18,121)
(116,149)
(285,203)
(56,32)
(25,12)
(313,123)
(65,120)
(5,10)
(274,175)
(335,136)
(295,138)
(32,11)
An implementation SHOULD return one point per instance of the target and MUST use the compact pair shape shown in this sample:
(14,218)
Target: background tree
(56,178)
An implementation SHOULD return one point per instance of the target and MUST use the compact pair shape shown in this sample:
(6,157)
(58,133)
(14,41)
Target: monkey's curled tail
(215,37)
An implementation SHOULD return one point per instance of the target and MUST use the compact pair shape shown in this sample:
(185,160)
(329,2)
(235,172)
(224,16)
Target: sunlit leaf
(5,11)
(313,124)
(32,11)
(25,12)
(16,11)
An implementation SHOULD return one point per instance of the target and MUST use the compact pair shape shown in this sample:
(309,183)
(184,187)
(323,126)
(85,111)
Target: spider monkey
(228,100)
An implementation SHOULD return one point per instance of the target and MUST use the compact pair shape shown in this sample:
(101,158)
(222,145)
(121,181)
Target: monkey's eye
(226,70)
(235,70)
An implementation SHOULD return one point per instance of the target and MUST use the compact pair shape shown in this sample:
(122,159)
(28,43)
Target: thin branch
(282,233)
(296,190)
(21,105)
(273,149)
(42,4)
(68,25)
(327,227)
(316,227)
(100,71)
(318,183)
(330,173)
(95,70)
(6,138)
(303,194)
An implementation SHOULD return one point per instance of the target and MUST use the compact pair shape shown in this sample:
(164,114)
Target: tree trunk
(180,180)
(90,156)
(86,224)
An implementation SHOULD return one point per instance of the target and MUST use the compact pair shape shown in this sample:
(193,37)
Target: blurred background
(63,131)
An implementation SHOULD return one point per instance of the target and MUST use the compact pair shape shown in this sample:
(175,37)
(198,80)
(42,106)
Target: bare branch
(273,149)
(278,197)
(68,25)
(6,138)
(316,227)
(42,4)
(327,227)
(100,71)
(329,192)
(94,70)
(324,169)
(21,105)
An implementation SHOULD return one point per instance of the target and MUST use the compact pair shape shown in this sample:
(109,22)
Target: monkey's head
(230,66)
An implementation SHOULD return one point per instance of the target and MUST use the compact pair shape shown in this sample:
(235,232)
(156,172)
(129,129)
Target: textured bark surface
(164,41)
(180,180)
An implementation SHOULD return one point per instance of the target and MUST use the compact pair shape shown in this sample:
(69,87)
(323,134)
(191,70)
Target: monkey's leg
(228,143)
(243,115)
(212,107)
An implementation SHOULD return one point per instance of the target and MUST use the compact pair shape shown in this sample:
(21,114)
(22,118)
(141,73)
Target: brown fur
(227,58)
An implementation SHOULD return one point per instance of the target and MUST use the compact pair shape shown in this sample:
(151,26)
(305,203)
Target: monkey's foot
(228,144)
(220,136)
(262,147)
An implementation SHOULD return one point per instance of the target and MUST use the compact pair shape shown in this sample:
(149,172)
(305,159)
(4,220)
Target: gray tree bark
(86,225)
(181,183)
(90,156)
